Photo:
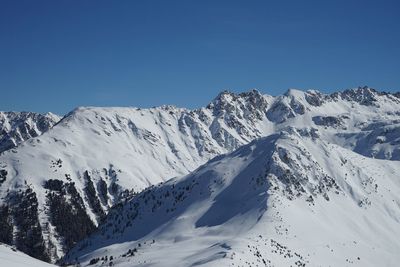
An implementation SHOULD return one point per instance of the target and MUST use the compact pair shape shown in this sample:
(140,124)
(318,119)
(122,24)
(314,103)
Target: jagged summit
(17,127)
(226,100)
(363,95)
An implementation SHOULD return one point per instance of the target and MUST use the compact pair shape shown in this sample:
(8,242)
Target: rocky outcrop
(17,127)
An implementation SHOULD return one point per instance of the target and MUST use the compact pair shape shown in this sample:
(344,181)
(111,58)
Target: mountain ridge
(95,158)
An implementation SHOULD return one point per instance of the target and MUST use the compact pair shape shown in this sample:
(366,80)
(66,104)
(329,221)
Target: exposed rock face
(363,95)
(17,127)
(315,98)
(328,121)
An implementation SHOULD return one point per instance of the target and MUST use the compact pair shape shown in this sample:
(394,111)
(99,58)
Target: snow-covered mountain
(289,199)
(17,127)
(56,188)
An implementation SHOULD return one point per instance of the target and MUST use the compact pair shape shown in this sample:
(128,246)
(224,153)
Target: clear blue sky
(56,55)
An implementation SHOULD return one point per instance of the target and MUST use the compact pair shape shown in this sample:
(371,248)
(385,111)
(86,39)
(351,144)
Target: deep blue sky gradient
(56,55)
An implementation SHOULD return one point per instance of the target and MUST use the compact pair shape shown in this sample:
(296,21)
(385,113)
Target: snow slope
(289,199)
(13,258)
(60,185)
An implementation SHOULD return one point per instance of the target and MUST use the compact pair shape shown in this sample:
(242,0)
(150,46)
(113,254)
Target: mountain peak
(363,94)
(222,98)
(294,92)
(252,93)
(226,100)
